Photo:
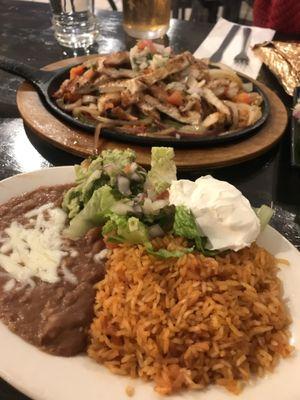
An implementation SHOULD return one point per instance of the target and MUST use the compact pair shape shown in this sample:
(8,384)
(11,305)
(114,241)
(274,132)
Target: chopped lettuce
(164,253)
(110,163)
(264,213)
(163,170)
(87,168)
(93,173)
(94,213)
(114,162)
(76,197)
(185,226)
(122,229)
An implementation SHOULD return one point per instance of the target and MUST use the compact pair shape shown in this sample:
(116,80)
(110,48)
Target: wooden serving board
(73,140)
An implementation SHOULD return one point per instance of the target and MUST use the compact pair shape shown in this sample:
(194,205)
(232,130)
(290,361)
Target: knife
(217,56)
(295,139)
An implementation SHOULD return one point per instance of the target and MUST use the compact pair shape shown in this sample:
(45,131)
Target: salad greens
(94,213)
(164,253)
(108,168)
(163,170)
(131,205)
(264,214)
(185,226)
(119,228)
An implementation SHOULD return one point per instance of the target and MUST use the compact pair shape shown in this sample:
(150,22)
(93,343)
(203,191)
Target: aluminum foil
(283,59)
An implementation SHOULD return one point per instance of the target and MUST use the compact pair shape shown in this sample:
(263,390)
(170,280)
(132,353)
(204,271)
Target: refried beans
(54,317)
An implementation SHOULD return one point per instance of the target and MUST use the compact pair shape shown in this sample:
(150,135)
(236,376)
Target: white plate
(45,377)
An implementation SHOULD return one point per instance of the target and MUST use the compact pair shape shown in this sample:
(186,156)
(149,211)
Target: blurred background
(195,10)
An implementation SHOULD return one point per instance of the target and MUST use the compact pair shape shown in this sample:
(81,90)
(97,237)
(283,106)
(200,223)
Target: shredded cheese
(101,256)
(69,276)
(35,250)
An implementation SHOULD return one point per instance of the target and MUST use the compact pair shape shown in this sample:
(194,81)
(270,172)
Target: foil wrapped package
(283,59)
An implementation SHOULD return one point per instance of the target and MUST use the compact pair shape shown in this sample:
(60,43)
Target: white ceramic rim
(45,377)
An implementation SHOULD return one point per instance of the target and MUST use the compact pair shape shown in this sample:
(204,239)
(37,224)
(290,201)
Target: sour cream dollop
(222,213)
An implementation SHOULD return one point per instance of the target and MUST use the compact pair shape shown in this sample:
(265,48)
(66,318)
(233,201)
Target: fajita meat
(153,86)
(192,118)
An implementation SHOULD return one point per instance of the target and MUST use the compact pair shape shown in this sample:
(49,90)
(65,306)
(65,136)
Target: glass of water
(74,22)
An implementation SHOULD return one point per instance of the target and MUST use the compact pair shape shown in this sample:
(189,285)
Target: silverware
(242,58)
(217,56)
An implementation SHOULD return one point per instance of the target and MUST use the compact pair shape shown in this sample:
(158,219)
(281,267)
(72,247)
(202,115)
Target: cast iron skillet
(47,82)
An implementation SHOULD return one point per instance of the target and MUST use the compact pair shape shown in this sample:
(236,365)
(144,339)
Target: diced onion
(123,185)
(69,107)
(137,209)
(248,87)
(151,207)
(135,177)
(122,208)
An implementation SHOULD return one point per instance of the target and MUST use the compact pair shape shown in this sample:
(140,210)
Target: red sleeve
(281,15)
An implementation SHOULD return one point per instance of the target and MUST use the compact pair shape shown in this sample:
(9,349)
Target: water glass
(146,19)
(74,22)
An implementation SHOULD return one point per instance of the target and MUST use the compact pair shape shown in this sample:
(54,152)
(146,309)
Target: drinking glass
(74,22)
(146,19)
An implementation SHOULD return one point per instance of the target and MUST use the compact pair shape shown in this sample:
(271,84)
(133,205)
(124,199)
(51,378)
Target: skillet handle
(33,75)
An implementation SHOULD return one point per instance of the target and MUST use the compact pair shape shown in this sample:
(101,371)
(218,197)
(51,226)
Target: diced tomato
(76,71)
(175,98)
(127,169)
(243,97)
(142,44)
(163,195)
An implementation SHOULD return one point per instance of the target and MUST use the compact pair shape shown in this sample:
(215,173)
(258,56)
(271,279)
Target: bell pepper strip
(76,71)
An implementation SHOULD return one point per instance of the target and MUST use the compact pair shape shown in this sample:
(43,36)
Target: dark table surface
(26,35)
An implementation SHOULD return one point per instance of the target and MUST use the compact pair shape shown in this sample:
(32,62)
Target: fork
(242,58)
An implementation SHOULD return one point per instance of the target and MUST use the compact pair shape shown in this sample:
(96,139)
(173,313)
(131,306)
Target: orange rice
(192,321)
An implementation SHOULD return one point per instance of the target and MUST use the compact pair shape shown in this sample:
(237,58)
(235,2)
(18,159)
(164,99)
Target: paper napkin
(216,37)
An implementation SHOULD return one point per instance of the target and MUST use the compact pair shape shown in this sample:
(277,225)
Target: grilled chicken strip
(148,110)
(115,73)
(191,117)
(211,98)
(108,100)
(132,85)
(113,60)
(175,64)
(72,88)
